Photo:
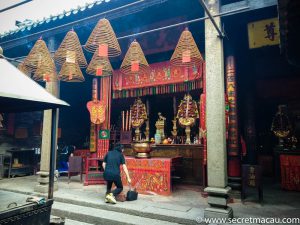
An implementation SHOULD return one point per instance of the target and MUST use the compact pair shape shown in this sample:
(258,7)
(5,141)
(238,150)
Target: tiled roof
(52,18)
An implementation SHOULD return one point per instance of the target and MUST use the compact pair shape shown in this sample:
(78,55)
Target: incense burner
(142,149)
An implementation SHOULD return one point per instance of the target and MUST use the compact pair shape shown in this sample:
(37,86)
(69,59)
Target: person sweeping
(111,165)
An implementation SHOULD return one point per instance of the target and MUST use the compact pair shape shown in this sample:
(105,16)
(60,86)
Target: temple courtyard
(85,204)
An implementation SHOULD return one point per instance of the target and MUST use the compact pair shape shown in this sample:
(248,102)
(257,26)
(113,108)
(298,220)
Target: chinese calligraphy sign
(263,33)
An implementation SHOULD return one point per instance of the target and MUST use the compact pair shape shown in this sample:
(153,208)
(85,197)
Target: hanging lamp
(70,48)
(134,61)
(103,39)
(186,52)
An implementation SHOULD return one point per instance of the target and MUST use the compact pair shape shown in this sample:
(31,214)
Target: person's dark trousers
(118,184)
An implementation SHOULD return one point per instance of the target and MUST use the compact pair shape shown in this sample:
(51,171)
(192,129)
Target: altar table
(151,176)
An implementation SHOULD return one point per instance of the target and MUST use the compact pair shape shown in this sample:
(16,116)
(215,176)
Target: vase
(157,138)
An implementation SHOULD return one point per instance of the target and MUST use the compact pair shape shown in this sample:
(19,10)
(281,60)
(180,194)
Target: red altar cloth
(150,175)
(290,172)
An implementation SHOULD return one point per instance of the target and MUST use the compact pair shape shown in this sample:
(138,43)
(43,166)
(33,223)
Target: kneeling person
(111,165)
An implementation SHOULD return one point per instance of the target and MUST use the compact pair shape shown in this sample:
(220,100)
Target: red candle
(126,127)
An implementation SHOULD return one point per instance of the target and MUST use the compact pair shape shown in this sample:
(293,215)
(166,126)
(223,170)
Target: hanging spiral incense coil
(38,53)
(186,52)
(70,72)
(24,69)
(134,61)
(70,49)
(99,66)
(45,73)
(103,36)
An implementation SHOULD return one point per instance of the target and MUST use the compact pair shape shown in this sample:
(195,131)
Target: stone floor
(185,203)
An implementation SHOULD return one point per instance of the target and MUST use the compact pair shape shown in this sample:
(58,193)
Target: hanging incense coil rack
(70,50)
(134,58)
(186,52)
(103,35)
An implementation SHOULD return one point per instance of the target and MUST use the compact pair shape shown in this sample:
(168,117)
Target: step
(99,216)
(166,212)
(162,211)
(74,222)
(55,220)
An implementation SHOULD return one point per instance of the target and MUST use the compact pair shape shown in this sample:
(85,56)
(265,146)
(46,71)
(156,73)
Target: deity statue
(160,125)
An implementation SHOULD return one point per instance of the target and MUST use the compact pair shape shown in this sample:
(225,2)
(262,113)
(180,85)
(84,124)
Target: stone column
(215,120)
(43,179)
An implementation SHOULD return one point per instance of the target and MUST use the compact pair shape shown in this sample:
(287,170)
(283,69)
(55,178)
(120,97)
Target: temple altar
(191,169)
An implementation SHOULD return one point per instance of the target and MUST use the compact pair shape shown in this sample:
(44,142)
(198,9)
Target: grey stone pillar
(215,120)
(43,178)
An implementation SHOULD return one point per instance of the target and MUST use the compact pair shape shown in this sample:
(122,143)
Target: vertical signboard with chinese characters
(263,33)
(233,135)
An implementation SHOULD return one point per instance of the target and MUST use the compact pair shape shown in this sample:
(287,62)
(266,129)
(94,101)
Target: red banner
(160,74)
(290,172)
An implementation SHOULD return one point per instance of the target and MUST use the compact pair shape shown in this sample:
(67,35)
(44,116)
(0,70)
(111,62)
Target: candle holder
(147,130)
(174,131)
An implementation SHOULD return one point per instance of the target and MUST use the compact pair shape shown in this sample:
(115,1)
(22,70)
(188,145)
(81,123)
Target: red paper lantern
(97,111)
